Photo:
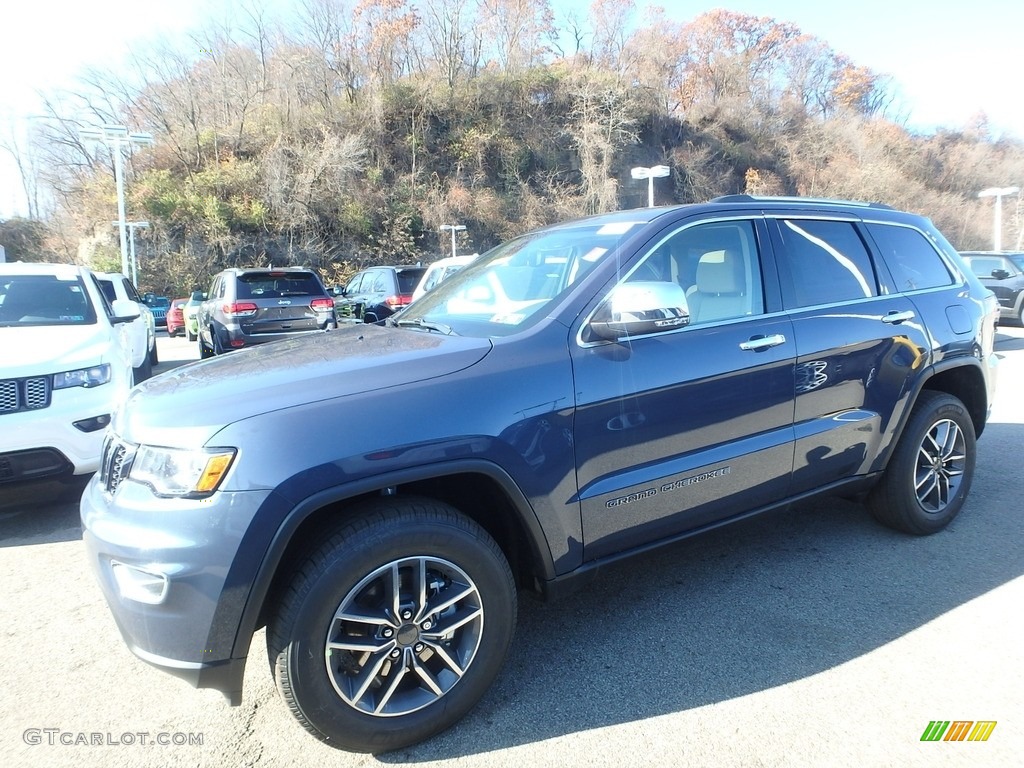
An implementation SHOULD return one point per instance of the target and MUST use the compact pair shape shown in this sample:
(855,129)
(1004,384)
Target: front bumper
(185,559)
(52,430)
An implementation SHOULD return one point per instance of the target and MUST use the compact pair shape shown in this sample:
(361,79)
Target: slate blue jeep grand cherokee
(377,495)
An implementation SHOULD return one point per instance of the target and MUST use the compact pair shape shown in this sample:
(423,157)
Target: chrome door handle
(764,342)
(895,318)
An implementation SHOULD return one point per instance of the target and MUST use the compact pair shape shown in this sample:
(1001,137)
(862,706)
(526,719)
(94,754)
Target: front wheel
(930,471)
(394,627)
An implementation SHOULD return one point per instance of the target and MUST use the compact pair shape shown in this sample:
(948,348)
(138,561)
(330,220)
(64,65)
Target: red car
(176,317)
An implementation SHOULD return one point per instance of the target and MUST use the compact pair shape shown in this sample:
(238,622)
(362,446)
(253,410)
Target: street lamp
(116,137)
(454,228)
(652,173)
(132,225)
(998,193)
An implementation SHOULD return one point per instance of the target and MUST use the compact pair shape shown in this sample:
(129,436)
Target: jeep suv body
(377,293)
(254,306)
(66,367)
(1003,274)
(594,390)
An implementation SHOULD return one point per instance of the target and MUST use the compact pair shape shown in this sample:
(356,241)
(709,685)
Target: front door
(683,428)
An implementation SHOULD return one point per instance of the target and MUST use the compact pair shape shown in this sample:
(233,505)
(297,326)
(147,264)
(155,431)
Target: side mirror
(640,308)
(1000,274)
(125,311)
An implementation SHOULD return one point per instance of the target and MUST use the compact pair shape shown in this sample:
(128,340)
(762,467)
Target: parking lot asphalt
(811,637)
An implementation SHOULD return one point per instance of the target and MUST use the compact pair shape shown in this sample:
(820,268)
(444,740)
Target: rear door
(858,346)
(684,428)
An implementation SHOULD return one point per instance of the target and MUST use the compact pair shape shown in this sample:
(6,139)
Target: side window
(825,261)
(130,291)
(912,260)
(380,282)
(717,265)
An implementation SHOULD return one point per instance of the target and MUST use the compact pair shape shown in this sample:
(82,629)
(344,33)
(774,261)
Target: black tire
(427,543)
(218,347)
(143,372)
(930,472)
(154,358)
(191,336)
(204,351)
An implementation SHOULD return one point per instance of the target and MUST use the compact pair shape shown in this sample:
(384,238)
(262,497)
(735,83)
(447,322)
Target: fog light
(91,425)
(139,585)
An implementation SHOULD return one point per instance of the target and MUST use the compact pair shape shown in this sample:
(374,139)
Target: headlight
(83,377)
(177,472)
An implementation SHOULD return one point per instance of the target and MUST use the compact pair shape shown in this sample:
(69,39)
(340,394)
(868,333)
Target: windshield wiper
(419,322)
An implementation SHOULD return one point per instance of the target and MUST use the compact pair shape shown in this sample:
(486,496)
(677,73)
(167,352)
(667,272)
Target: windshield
(44,300)
(504,288)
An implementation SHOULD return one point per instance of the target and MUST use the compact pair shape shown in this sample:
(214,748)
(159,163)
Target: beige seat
(720,289)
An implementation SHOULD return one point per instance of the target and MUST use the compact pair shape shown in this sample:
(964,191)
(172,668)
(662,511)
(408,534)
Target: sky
(949,61)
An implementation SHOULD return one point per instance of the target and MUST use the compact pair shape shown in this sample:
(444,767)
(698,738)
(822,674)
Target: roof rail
(792,199)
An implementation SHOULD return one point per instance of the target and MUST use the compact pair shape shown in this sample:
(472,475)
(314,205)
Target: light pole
(132,225)
(998,193)
(652,173)
(116,137)
(454,228)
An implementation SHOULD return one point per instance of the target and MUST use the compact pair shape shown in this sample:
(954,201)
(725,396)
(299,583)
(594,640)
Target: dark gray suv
(254,306)
(1003,274)
(377,496)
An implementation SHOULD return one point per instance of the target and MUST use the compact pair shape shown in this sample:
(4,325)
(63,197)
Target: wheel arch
(967,384)
(480,490)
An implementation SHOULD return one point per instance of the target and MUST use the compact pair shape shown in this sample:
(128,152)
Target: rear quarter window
(912,260)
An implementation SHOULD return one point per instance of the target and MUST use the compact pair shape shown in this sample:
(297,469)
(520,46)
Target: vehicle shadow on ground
(738,611)
(41,514)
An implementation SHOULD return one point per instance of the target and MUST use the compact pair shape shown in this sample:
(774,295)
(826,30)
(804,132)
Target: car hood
(188,405)
(42,349)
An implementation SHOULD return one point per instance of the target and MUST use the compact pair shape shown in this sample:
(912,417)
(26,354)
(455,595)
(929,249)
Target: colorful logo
(958,730)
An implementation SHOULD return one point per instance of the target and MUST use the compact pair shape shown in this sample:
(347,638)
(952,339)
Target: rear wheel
(154,358)
(381,640)
(930,472)
(191,336)
(204,351)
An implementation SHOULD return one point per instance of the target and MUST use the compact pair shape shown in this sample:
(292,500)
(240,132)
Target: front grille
(116,462)
(28,394)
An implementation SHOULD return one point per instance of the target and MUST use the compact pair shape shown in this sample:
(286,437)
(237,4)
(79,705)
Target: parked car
(176,317)
(191,314)
(158,305)
(378,495)
(66,367)
(254,306)
(1003,274)
(376,293)
(439,270)
(142,330)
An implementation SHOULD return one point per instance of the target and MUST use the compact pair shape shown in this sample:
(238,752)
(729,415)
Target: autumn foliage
(347,133)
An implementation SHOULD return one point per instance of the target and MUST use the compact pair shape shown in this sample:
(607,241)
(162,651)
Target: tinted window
(826,262)
(912,260)
(984,266)
(272,285)
(408,279)
(717,265)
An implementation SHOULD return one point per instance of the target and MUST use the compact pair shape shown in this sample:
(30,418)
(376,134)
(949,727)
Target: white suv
(66,367)
(142,332)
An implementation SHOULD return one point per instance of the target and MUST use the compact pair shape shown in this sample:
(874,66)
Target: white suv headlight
(83,377)
(178,472)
